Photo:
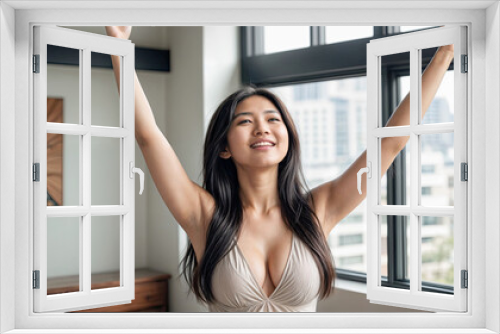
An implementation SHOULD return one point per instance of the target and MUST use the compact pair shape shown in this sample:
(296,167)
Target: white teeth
(262,144)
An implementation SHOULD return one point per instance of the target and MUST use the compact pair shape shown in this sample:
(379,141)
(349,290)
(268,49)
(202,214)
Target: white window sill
(352,286)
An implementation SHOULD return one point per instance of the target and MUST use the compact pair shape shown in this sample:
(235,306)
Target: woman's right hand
(122,32)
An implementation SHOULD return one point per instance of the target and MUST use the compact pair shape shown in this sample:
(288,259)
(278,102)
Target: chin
(267,163)
(260,161)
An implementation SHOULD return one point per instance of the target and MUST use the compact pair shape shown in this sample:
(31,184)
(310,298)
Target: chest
(265,249)
(235,285)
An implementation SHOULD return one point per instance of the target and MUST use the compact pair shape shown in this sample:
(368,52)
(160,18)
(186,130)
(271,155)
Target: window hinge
(36,172)
(36,279)
(465,279)
(465,64)
(465,171)
(36,63)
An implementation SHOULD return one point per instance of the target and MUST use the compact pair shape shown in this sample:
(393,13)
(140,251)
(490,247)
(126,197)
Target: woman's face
(257,137)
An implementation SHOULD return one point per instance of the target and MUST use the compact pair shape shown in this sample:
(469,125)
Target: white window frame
(85,43)
(483,310)
(413,43)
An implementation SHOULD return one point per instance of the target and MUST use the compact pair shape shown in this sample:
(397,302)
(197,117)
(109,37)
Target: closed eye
(274,119)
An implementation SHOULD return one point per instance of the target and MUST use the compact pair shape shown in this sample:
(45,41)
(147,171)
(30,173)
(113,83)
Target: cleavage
(269,275)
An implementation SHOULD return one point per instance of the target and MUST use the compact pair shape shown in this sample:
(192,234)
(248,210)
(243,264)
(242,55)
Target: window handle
(368,171)
(141,175)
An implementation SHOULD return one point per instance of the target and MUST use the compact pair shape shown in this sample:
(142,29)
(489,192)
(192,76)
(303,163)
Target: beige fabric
(236,290)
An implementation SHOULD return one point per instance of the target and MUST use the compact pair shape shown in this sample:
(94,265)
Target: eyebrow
(251,114)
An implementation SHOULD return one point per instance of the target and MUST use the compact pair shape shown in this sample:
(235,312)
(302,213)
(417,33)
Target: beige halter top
(236,290)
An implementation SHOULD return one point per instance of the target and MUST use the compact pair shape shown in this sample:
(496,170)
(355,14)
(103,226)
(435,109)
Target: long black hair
(221,181)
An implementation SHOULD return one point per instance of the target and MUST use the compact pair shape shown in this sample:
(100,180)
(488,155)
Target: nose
(261,127)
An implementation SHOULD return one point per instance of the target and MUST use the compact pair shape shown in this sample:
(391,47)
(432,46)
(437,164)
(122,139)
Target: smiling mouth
(262,145)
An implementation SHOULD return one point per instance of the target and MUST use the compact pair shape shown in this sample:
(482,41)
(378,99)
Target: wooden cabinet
(151,290)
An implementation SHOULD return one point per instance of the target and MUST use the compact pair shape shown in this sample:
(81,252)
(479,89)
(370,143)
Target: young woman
(258,239)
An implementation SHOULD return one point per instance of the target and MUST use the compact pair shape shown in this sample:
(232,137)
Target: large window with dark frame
(320,73)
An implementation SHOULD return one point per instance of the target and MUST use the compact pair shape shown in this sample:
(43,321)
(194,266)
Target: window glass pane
(63,85)
(106,171)
(437,250)
(384,257)
(348,241)
(406,251)
(403,87)
(395,235)
(412,28)
(330,117)
(397,176)
(336,34)
(284,38)
(105,250)
(391,95)
(63,255)
(441,108)
(63,170)
(348,261)
(437,169)
(105,97)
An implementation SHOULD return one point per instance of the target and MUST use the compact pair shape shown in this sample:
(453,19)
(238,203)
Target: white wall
(182,124)
(221,67)
(204,70)
(7,168)
(492,144)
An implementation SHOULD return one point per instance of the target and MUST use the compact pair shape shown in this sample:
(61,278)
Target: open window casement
(80,157)
(418,207)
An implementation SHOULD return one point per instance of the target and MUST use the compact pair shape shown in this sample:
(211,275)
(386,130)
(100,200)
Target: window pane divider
(94,210)
(86,167)
(392,131)
(67,129)
(433,128)
(67,211)
(415,106)
(111,132)
(397,131)
(438,211)
(109,210)
(80,130)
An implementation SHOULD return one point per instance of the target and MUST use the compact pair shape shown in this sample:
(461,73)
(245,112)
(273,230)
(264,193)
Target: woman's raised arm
(190,204)
(336,199)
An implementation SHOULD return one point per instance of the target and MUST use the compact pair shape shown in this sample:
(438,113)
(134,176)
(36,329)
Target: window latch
(368,171)
(139,171)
